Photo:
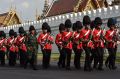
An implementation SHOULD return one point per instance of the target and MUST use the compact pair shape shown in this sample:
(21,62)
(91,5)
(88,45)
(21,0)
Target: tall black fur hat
(31,28)
(3,34)
(15,34)
(21,30)
(61,27)
(86,20)
(79,25)
(92,24)
(49,29)
(45,26)
(111,21)
(11,32)
(68,23)
(74,28)
(98,21)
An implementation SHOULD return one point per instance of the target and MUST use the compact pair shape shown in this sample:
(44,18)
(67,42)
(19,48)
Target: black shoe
(35,69)
(68,68)
(100,69)
(114,68)
(106,64)
(110,67)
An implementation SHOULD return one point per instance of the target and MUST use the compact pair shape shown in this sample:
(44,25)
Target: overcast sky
(26,9)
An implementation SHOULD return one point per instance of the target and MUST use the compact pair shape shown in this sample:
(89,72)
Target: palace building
(58,7)
(9,18)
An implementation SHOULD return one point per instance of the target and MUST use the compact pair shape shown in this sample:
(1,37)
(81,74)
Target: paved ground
(54,73)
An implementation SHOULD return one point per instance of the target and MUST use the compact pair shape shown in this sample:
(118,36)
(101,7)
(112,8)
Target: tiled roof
(67,6)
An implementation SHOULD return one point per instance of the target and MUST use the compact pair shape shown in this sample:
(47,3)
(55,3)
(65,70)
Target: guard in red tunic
(21,39)
(67,43)
(77,45)
(59,43)
(110,44)
(3,48)
(45,40)
(98,39)
(12,49)
(85,35)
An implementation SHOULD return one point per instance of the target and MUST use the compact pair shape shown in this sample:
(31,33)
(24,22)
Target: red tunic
(3,45)
(44,41)
(58,40)
(96,36)
(76,40)
(10,43)
(109,37)
(66,38)
(85,35)
(21,43)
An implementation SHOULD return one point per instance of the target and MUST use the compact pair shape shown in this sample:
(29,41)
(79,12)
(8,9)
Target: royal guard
(77,45)
(110,44)
(74,29)
(45,40)
(31,41)
(92,27)
(67,43)
(12,48)
(59,44)
(3,48)
(98,40)
(85,35)
(16,48)
(21,42)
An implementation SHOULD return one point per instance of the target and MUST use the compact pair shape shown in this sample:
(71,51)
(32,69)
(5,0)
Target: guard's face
(112,27)
(33,31)
(44,30)
(87,26)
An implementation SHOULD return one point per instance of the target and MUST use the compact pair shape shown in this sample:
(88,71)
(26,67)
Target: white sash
(21,38)
(98,34)
(77,36)
(1,41)
(111,34)
(67,34)
(11,40)
(44,36)
(87,33)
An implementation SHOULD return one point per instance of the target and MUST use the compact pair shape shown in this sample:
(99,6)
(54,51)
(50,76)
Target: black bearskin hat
(15,34)
(3,34)
(111,21)
(92,25)
(11,32)
(45,26)
(31,28)
(74,27)
(68,23)
(0,33)
(61,27)
(86,20)
(49,30)
(98,21)
(79,25)
(21,30)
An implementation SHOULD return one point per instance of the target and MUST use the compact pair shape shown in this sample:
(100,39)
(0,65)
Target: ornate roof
(66,6)
(5,18)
